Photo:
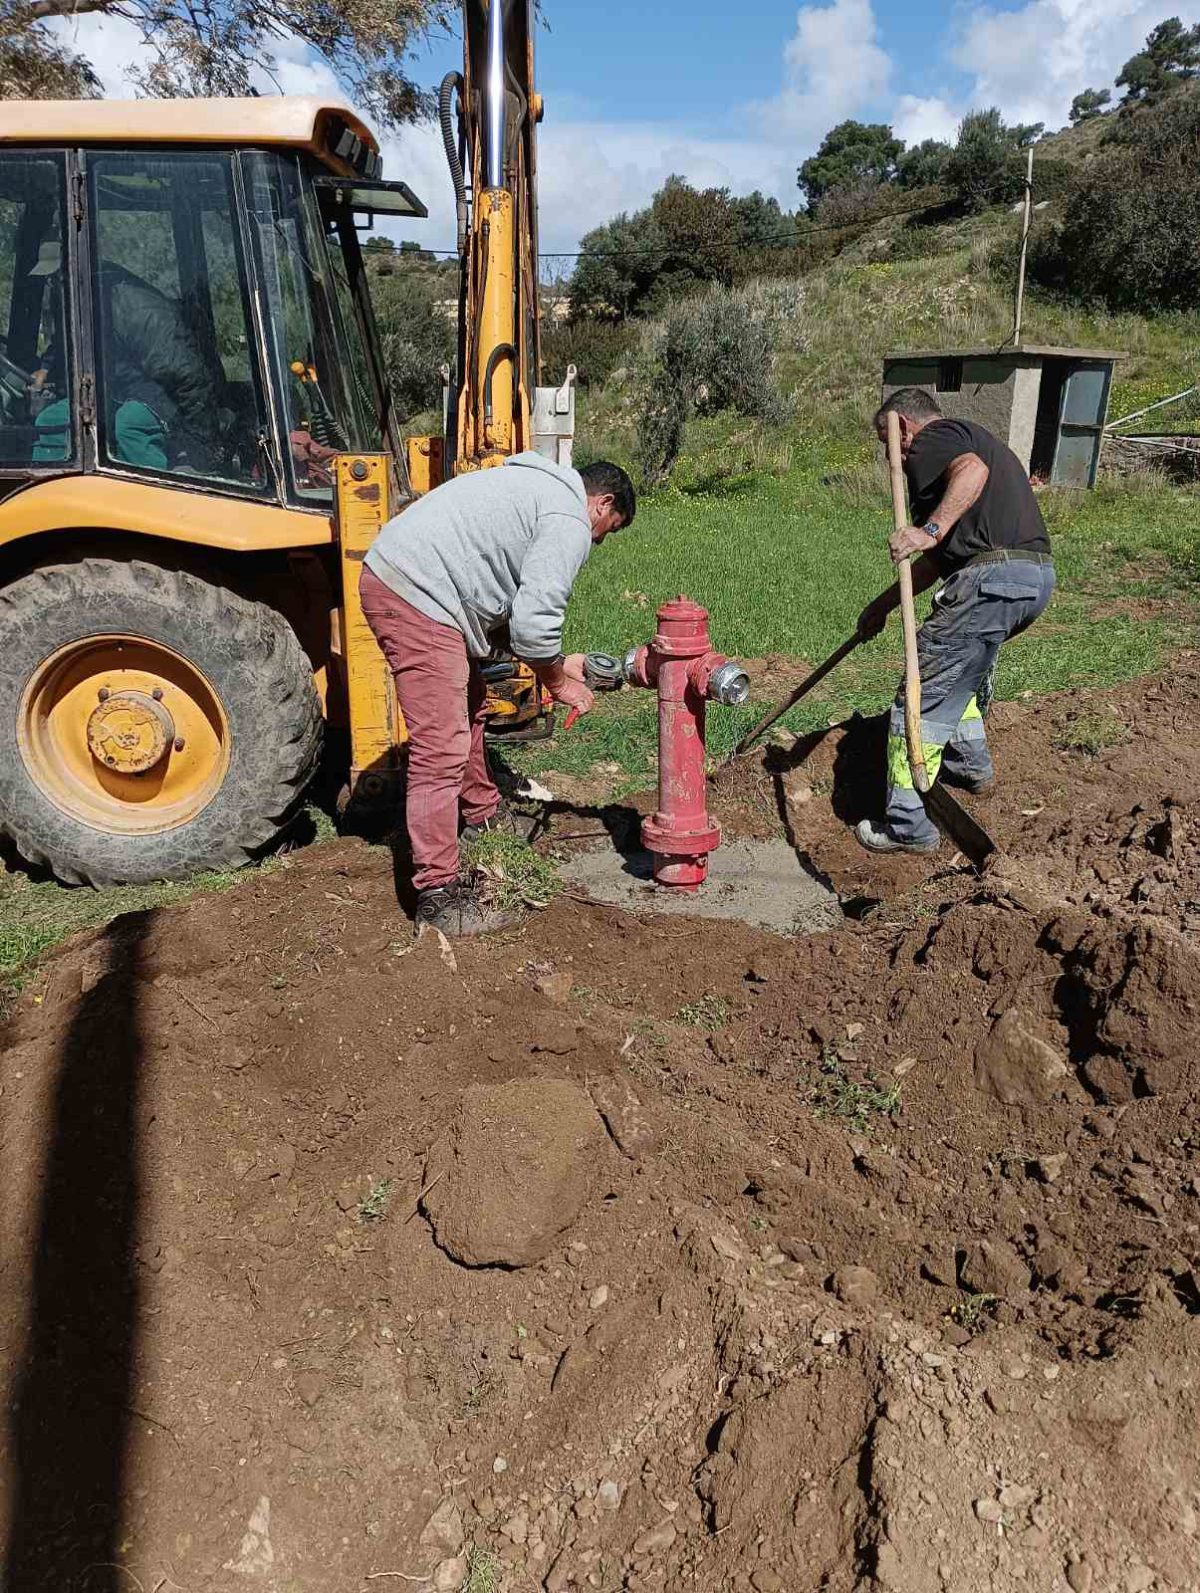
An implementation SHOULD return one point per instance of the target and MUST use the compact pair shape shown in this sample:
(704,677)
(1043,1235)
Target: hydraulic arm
(489,116)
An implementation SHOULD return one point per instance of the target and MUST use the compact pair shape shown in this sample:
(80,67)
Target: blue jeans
(974,613)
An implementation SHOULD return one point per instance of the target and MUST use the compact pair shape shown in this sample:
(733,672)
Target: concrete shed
(1048,404)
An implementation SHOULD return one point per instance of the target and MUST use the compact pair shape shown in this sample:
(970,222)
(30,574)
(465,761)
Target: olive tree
(218,47)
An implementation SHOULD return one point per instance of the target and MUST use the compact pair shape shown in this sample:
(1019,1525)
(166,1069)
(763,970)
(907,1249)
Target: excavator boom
(489,115)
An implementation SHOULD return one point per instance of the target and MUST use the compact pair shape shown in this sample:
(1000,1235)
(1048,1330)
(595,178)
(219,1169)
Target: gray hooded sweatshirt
(492,548)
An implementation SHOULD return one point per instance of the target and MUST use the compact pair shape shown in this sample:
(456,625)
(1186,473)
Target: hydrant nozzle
(681,664)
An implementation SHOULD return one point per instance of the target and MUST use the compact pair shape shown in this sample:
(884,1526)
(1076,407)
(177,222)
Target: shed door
(1081,424)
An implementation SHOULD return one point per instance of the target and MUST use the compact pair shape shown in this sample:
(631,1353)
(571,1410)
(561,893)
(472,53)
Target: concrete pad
(760,882)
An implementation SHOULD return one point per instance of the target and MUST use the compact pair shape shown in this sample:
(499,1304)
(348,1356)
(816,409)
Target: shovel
(970,837)
(802,690)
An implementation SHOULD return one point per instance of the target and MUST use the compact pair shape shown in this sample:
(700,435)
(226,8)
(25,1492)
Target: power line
(793,237)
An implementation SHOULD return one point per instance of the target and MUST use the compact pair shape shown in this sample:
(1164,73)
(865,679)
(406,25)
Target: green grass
(36,915)
(374,1203)
(970,1311)
(514,874)
(855,1102)
(785,563)
(483,1570)
(1092,733)
(710,1012)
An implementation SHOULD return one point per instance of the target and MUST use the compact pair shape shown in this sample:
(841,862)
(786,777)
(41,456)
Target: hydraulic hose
(452,83)
(502,351)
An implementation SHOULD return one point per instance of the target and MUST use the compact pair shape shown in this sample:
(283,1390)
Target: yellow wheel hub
(130,732)
(124,734)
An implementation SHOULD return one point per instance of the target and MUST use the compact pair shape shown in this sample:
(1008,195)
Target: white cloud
(590,171)
(111,44)
(834,68)
(1032,61)
(915,120)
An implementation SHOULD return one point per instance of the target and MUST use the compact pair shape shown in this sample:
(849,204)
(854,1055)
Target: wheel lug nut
(179,743)
(103,694)
(157,694)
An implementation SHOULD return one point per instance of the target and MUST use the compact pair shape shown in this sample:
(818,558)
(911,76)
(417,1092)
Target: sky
(737,96)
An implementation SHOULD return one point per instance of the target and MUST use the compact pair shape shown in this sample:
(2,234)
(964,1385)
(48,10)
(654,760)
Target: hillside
(907,283)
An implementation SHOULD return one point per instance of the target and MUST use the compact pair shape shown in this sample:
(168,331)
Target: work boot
(877,838)
(458,909)
(977,785)
(504,821)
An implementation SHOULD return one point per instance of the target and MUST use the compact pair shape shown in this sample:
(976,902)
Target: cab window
(174,350)
(316,370)
(36,357)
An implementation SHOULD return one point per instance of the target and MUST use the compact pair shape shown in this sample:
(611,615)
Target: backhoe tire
(106,664)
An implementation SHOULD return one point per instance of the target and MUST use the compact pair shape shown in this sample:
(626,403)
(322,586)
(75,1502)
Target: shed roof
(296,120)
(1023,351)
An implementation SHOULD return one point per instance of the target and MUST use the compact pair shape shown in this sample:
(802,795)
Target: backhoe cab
(197,444)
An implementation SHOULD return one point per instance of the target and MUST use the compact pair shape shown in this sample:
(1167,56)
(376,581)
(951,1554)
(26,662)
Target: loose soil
(627,1251)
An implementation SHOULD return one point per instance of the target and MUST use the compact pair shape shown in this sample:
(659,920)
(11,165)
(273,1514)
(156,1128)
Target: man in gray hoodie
(488,551)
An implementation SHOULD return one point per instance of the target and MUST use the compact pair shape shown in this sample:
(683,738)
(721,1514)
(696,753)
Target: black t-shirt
(1007,513)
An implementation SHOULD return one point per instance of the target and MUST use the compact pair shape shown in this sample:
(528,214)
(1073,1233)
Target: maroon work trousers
(441,695)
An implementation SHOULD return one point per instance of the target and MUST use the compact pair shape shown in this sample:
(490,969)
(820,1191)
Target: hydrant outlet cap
(730,684)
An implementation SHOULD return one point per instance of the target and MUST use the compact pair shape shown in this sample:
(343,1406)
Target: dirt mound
(864,1261)
(511,1173)
(1114,829)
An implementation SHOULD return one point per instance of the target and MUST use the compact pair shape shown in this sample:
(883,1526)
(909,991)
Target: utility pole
(1024,251)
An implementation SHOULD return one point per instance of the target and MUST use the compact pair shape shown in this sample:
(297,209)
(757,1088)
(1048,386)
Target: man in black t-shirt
(978,529)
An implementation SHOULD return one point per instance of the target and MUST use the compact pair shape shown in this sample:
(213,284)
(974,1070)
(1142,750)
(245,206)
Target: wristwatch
(932,529)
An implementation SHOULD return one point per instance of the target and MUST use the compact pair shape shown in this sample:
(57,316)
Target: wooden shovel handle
(908,615)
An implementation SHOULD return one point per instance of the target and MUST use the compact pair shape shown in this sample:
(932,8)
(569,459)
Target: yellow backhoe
(197,447)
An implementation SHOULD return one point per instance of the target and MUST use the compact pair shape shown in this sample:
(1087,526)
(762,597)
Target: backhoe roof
(293,120)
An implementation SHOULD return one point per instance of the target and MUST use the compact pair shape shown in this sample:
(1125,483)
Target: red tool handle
(572,716)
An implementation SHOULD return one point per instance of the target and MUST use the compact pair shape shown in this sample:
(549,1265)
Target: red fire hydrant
(680,662)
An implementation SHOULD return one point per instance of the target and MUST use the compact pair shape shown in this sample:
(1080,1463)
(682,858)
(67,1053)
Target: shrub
(1130,235)
(852,206)
(595,348)
(1053,177)
(416,334)
(710,353)
(924,165)
(852,154)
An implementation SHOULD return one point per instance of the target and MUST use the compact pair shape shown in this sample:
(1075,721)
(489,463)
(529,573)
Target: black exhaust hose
(452,83)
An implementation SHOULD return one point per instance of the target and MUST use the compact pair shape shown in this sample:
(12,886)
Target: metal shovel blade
(957,825)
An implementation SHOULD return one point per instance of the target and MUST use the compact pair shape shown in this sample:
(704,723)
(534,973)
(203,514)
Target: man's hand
(908,540)
(875,616)
(572,694)
(573,665)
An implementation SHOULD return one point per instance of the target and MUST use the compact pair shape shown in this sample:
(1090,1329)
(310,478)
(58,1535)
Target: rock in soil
(856,1286)
(1016,1066)
(512,1172)
(994,1267)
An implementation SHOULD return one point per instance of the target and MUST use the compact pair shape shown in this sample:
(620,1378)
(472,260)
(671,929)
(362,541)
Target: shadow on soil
(73,1392)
